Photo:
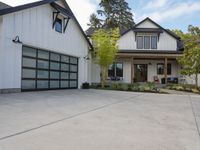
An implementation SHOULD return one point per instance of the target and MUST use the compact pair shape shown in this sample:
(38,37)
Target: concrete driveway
(99,120)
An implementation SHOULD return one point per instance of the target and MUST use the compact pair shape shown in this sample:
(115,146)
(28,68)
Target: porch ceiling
(150,54)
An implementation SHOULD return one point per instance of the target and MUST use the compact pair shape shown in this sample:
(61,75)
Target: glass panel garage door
(44,70)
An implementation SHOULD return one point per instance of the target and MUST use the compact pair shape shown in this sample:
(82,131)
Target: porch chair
(156,79)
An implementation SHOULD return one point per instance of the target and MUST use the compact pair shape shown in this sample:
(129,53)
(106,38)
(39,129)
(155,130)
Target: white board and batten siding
(166,42)
(34,28)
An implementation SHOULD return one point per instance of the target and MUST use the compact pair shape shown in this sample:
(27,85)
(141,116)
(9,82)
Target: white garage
(42,47)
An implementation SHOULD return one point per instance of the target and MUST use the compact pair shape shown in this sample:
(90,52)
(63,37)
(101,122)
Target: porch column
(165,70)
(132,68)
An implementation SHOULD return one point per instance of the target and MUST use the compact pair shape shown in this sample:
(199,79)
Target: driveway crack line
(194,114)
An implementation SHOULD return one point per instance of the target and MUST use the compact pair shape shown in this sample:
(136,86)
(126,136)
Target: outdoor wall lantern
(17,40)
(86,57)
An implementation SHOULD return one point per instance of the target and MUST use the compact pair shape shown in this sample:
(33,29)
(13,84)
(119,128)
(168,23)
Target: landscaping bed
(136,87)
(183,87)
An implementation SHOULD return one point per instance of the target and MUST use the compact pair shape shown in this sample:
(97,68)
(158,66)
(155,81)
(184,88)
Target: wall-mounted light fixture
(17,40)
(86,57)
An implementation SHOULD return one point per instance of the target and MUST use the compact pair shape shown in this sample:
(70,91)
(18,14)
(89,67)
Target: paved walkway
(99,120)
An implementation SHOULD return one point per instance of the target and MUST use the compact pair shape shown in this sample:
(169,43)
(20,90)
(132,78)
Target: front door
(140,72)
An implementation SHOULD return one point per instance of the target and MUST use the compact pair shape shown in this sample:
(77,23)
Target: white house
(147,53)
(42,47)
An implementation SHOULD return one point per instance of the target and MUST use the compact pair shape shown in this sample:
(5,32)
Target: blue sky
(172,14)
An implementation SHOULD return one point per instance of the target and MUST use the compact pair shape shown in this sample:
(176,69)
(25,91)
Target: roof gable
(149,22)
(66,9)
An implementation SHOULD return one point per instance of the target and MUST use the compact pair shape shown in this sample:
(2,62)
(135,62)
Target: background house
(147,53)
(42,47)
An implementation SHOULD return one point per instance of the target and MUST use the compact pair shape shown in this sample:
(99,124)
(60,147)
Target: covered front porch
(148,67)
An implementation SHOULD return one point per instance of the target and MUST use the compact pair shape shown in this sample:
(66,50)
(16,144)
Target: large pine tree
(115,13)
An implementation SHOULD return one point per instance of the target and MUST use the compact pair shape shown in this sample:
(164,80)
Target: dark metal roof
(26,6)
(4,6)
(67,12)
(151,51)
(62,10)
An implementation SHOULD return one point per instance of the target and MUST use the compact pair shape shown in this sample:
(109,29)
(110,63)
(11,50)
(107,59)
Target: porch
(149,67)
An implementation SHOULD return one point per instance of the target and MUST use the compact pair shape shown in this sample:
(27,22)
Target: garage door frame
(35,69)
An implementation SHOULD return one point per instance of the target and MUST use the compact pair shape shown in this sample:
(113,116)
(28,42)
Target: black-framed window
(147,42)
(139,42)
(115,70)
(58,25)
(154,42)
(161,70)
(45,70)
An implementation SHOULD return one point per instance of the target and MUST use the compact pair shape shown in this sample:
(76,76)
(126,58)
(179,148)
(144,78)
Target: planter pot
(86,86)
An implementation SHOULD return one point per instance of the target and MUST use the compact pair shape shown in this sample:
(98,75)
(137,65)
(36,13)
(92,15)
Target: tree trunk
(196,80)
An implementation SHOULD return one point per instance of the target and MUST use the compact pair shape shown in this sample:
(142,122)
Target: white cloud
(156,4)
(81,8)
(179,10)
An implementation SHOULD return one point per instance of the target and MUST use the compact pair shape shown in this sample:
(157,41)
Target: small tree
(105,49)
(191,56)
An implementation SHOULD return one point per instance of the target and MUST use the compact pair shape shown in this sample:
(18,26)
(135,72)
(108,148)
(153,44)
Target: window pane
(55,66)
(64,75)
(111,71)
(54,84)
(28,73)
(160,69)
(73,60)
(28,84)
(54,75)
(42,74)
(28,62)
(139,42)
(147,42)
(153,42)
(65,59)
(55,57)
(73,75)
(64,84)
(119,69)
(42,84)
(73,68)
(169,69)
(27,51)
(43,64)
(43,54)
(73,84)
(58,25)
(64,67)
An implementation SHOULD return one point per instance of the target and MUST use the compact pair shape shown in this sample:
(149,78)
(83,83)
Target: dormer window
(154,42)
(58,25)
(147,42)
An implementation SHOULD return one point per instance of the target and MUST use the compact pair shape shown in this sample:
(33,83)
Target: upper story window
(154,42)
(58,25)
(147,42)
(140,42)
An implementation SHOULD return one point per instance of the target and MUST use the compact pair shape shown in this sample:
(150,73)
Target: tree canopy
(191,56)
(105,49)
(115,14)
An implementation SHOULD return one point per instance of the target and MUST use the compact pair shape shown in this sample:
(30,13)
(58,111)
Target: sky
(171,14)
